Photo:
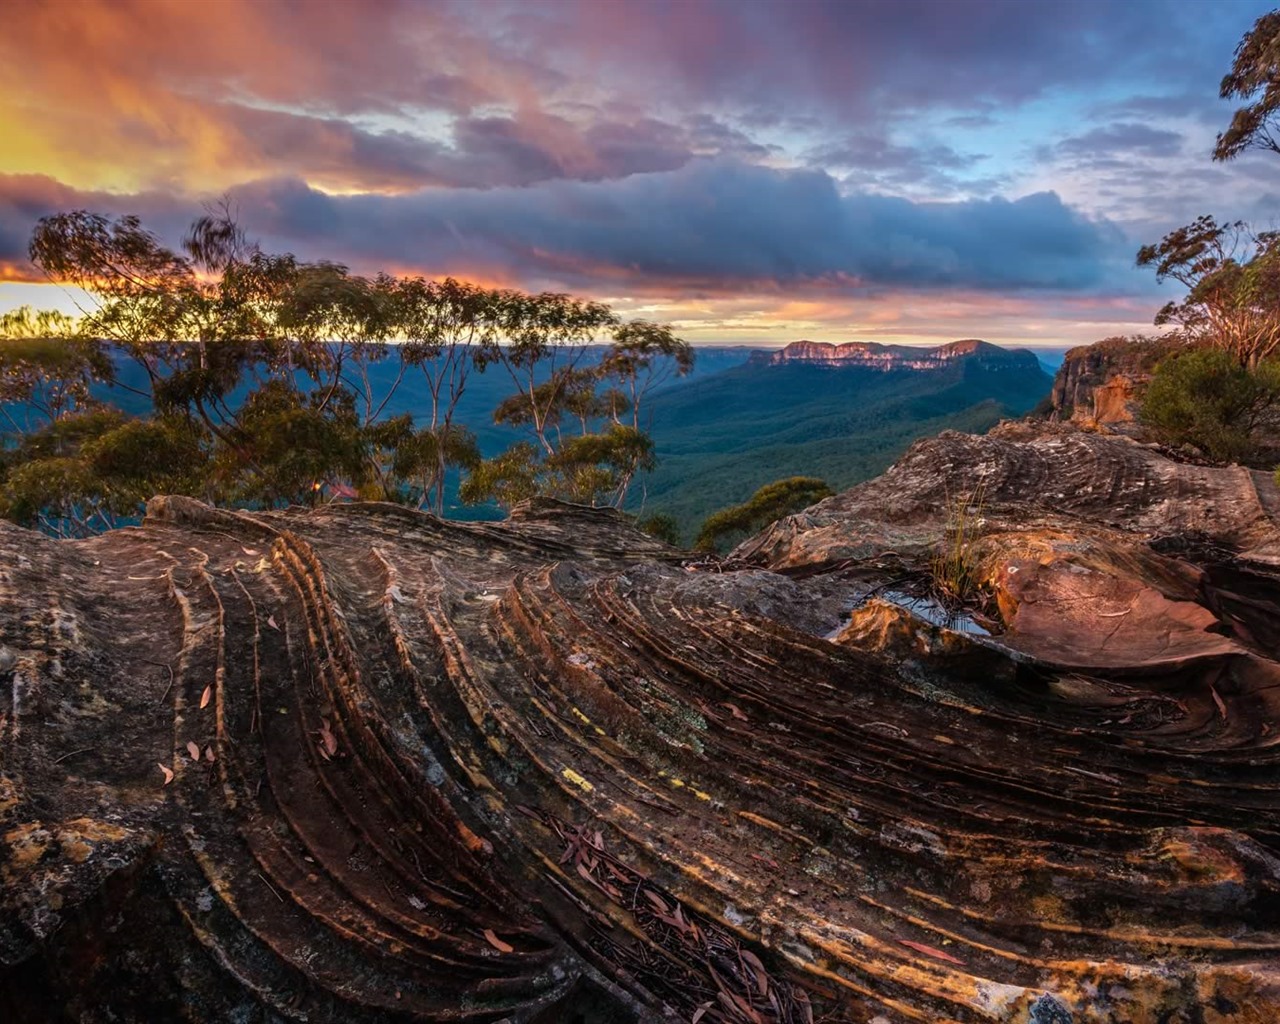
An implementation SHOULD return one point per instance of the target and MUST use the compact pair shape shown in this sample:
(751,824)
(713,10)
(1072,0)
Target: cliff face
(899,357)
(1102,383)
(356,764)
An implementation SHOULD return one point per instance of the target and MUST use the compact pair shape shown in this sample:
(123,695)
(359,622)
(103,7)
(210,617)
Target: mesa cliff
(899,357)
(358,764)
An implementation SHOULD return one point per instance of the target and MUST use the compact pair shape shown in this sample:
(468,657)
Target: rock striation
(358,764)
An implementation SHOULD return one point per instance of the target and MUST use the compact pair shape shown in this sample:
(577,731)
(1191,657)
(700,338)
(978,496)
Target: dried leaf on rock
(497,943)
(920,947)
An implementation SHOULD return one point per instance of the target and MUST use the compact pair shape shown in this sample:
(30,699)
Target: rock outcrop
(1101,384)
(357,764)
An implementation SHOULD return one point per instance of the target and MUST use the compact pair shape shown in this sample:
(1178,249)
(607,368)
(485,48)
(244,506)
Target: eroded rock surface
(551,771)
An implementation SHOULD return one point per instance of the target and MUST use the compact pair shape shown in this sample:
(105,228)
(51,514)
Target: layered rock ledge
(551,770)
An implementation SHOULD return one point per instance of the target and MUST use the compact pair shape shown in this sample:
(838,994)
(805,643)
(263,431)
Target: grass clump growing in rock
(955,565)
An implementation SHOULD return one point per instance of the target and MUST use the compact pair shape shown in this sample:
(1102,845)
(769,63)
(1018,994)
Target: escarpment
(358,764)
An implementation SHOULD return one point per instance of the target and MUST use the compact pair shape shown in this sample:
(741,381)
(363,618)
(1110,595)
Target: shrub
(769,504)
(1205,398)
(662,526)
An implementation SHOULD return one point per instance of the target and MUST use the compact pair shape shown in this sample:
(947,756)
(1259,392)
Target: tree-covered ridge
(266,380)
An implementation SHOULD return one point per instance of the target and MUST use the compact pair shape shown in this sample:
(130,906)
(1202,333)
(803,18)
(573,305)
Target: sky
(752,171)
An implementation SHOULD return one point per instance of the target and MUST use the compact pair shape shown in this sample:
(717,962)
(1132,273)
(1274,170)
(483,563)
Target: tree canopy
(1255,76)
(1232,277)
(268,380)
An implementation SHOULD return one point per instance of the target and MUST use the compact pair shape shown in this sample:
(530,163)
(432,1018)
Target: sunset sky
(753,170)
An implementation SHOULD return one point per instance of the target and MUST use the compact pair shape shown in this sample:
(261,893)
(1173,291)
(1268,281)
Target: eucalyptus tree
(540,338)
(1255,76)
(444,329)
(1232,277)
(643,356)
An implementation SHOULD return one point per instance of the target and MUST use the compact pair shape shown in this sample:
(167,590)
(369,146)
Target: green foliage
(643,356)
(595,465)
(44,368)
(25,322)
(662,526)
(598,468)
(140,458)
(1232,275)
(89,468)
(1207,399)
(508,478)
(60,495)
(590,469)
(284,446)
(769,504)
(421,457)
(1256,69)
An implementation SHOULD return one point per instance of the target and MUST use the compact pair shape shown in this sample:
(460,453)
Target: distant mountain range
(840,412)
(898,357)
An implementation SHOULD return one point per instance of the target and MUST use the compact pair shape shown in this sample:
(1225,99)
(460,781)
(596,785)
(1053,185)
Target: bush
(769,504)
(1205,398)
(662,526)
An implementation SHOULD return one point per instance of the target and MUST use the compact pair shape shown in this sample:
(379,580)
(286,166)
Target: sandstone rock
(546,771)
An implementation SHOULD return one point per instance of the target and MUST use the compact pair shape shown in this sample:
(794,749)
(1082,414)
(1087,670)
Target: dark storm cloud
(711,224)
(716,225)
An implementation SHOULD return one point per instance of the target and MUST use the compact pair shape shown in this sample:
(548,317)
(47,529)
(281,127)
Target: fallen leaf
(657,902)
(702,1010)
(1222,707)
(920,947)
(209,754)
(497,943)
(271,621)
(193,749)
(673,922)
(250,551)
(168,775)
(328,739)
(757,968)
(204,697)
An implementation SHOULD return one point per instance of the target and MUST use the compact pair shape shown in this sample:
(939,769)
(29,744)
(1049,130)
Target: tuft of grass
(955,566)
